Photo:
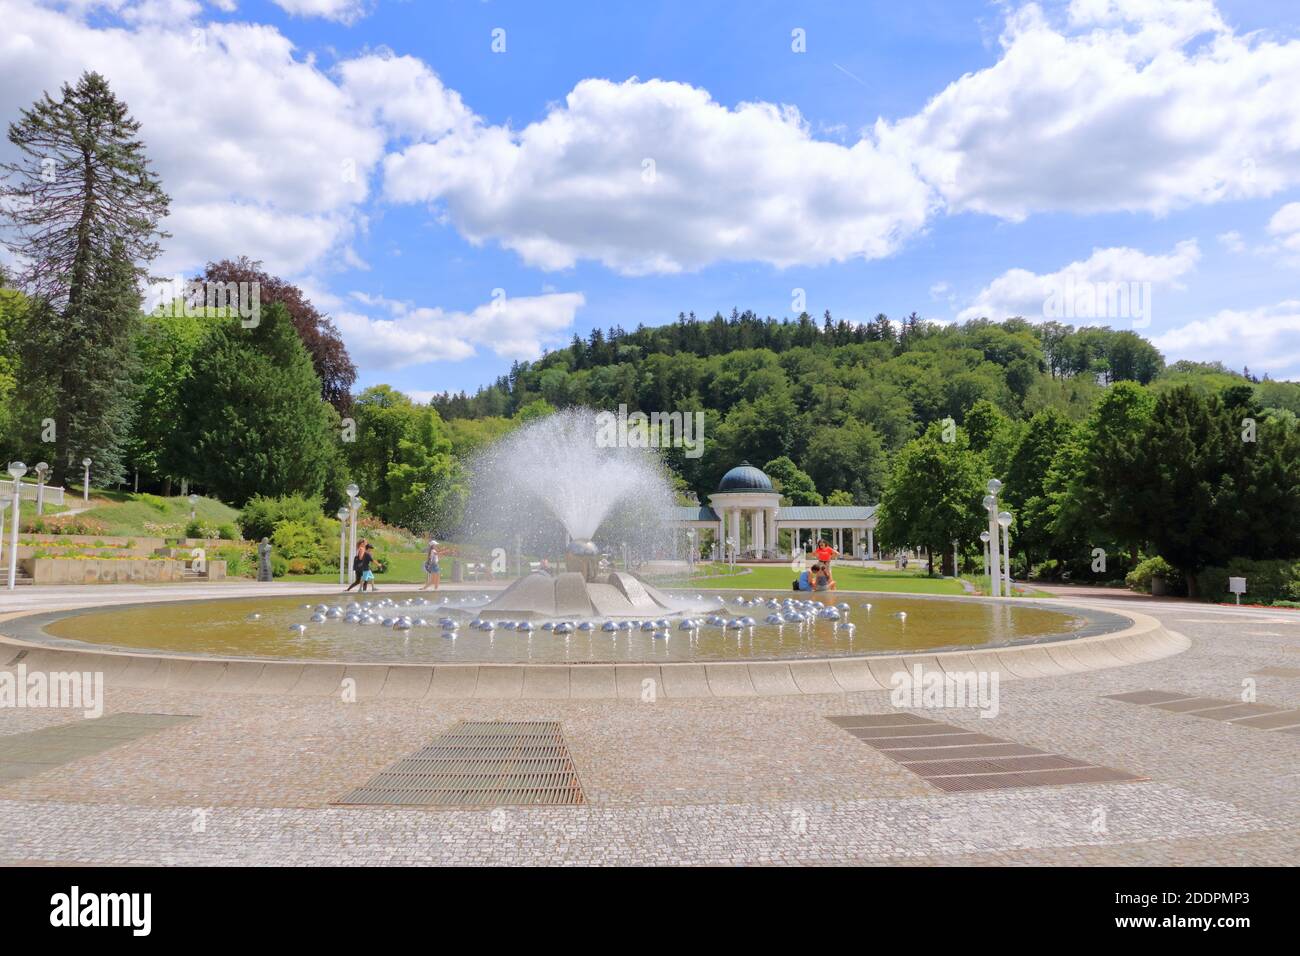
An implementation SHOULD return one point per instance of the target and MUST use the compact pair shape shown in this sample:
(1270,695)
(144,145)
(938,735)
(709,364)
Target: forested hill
(836,398)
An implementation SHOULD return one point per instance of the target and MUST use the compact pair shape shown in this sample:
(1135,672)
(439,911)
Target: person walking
(356,565)
(368,566)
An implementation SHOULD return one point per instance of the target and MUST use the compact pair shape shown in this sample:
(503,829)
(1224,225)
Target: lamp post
(343,513)
(85,484)
(352,491)
(1004,520)
(984,539)
(42,469)
(16,470)
(194,500)
(991,503)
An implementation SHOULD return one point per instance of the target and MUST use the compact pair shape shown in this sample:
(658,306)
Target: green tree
(1188,482)
(252,420)
(933,494)
(1026,493)
(1103,494)
(401,458)
(793,483)
(85,207)
(850,457)
(165,346)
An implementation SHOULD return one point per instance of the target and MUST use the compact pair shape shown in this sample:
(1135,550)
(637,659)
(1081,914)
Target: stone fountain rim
(1145,639)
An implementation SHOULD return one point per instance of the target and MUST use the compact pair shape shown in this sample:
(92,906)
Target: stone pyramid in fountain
(582,591)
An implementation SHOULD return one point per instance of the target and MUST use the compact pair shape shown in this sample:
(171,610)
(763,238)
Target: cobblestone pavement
(757,780)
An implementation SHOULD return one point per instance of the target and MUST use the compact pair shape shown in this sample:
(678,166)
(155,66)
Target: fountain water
(551,488)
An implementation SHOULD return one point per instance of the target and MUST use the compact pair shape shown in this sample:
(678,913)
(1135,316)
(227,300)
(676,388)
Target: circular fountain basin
(267,628)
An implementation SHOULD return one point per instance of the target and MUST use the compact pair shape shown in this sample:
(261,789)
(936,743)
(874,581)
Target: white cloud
(1028,294)
(656,177)
(404,94)
(1144,105)
(262,153)
(1285,225)
(515,328)
(1232,241)
(1266,338)
(341,11)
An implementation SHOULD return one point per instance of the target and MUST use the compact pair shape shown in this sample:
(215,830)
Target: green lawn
(855,579)
(403,567)
(126,514)
(848,578)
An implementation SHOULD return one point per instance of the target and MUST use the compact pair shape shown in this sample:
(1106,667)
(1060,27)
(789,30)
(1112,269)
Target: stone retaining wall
(112,570)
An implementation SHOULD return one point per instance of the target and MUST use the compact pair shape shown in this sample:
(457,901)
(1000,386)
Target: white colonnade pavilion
(746,514)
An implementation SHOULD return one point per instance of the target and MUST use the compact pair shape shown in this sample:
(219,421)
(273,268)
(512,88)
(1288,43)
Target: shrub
(153,501)
(295,539)
(240,561)
(260,516)
(228,532)
(71,524)
(302,566)
(1139,579)
(279,566)
(198,528)
(1266,581)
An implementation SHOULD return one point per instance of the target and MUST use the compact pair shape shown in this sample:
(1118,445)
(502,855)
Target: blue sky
(955,159)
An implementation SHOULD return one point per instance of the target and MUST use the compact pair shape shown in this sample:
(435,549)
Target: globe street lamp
(16,469)
(42,470)
(85,485)
(352,492)
(194,500)
(991,504)
(984,538)
(1004,520)
(343,545)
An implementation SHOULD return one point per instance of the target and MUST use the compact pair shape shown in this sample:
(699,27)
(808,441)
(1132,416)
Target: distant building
(746,512)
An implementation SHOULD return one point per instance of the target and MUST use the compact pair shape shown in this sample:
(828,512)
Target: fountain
(553,480)
(550,490)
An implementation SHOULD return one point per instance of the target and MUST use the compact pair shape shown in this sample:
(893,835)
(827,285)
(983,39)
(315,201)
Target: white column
(722,535)
(871,542)
(761,517)
(735,527)
(995,585)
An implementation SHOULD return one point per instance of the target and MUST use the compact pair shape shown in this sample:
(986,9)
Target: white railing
(53,493)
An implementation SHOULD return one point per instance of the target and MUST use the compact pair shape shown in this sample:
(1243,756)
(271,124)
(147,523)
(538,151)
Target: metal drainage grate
(956,760)
(1262,716)
(480,764)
